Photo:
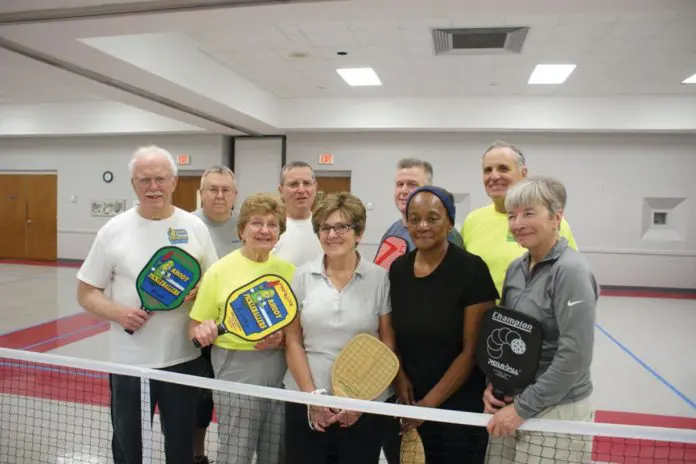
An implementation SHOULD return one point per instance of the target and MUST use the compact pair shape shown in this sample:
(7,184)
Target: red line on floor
(54,334)
(632,451)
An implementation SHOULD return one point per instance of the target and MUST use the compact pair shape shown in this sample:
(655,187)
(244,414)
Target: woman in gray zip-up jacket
(554,284)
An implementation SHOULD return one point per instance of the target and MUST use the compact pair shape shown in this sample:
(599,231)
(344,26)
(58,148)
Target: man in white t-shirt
(122,247)
(298,187)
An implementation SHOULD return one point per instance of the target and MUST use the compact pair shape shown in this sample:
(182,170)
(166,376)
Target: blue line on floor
(648,368)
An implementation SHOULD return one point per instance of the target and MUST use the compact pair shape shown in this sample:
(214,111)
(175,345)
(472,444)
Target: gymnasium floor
(643,365)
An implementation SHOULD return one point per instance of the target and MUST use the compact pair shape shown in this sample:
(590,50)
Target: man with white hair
(121,249)
(485,230)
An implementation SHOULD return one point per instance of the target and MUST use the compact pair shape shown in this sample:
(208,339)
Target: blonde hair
(261,204)
(348,204)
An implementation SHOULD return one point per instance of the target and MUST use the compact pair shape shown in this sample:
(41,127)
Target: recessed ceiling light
(550,73)
(690,80)
(359,76)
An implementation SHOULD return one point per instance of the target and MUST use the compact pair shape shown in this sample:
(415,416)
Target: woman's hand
(271,342)
(491,404)
(504,422)
(320,417)
(404,389)
(206,332)
(345,418)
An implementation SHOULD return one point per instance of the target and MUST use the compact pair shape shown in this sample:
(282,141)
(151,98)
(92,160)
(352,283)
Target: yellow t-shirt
(486,233)
(225,276)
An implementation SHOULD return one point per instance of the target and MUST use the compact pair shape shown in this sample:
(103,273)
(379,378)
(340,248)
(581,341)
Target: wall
(607,177)
(80,162)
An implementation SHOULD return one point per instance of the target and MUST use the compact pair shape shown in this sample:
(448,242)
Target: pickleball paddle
(508,349)
(169,275)
(257,309)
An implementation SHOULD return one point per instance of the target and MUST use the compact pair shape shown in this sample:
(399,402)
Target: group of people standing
(518,253)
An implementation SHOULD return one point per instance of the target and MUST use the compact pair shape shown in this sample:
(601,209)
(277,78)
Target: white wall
(80,162)
(607,177)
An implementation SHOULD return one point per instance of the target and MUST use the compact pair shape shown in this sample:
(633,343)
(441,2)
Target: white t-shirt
(122,247)
(298,244)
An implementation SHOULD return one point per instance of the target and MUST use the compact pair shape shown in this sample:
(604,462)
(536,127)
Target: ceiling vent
(479,40)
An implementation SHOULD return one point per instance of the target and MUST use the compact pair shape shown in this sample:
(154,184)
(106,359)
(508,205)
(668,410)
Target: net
(58,410)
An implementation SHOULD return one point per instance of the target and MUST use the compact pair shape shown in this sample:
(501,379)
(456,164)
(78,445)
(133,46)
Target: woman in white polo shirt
(340,295)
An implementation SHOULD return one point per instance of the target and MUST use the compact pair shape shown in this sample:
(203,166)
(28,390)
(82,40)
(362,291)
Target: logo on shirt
(177,236)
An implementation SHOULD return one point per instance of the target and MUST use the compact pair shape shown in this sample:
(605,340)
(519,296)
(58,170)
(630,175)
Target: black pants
(177,405)
(204,416)
(358,444)
(444,443)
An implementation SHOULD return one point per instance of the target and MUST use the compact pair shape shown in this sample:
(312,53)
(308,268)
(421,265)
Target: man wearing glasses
(218,192)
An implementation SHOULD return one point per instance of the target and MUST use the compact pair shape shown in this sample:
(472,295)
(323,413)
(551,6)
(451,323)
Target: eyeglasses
(145,181)
(340,228)
(216,190)
(258,225)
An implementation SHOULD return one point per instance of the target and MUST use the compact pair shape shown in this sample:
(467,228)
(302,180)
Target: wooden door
(186,193)
(29,216)
(41,191)
(12,217)
(333,184)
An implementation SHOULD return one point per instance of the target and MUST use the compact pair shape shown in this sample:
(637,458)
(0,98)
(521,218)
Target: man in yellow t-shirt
(485,230)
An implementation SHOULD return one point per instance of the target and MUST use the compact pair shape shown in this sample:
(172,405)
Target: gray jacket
(561,292)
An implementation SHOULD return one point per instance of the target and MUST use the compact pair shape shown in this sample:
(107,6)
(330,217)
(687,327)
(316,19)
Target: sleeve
(574,303)
(481,285)
(205,305)
(210,256)
(97,269)
(384,297)
(298,287)
(568,234)
(465,230)
(456,238)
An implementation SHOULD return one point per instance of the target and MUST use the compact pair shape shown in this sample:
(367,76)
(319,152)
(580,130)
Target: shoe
(201,460)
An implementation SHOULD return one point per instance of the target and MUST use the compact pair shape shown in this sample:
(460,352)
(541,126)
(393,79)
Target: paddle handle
(499,394)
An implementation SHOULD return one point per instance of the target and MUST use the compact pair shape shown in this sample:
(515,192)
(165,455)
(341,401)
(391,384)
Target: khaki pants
(543,447)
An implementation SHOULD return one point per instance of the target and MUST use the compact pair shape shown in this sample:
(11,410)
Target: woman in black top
(438,294)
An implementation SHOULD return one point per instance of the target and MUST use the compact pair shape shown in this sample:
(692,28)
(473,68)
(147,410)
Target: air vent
(479,40)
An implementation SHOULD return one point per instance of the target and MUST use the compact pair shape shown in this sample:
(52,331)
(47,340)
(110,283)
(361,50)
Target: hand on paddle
(206,332)
(273,341)
(491,404)
(133,318)
(404,393)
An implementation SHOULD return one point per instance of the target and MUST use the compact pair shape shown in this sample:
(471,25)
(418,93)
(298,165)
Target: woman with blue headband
(438,294)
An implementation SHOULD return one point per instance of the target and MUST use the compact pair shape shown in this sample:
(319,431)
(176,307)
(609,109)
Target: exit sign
(183,159)
(326,158)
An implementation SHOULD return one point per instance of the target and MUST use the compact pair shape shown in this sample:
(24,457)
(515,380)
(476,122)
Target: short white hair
(537,190)
(152,151)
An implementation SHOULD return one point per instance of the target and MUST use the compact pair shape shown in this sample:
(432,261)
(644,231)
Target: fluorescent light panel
(550,73)
(690,80)
(359,76)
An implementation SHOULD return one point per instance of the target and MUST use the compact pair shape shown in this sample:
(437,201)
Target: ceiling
(616,53)
(271,67)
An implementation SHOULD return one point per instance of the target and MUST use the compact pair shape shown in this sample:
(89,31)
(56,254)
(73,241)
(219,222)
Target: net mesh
(58,410)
